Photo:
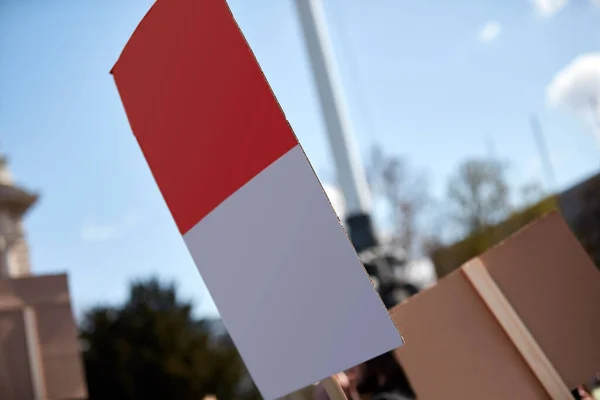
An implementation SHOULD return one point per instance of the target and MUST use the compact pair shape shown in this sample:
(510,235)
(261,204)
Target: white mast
(350,173)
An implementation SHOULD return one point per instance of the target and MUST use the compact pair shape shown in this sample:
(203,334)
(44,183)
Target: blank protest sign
(284,276)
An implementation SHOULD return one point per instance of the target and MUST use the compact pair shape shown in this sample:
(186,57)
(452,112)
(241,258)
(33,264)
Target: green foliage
(152,348)
(449,258)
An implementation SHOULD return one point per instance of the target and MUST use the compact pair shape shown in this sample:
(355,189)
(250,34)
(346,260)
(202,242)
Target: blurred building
(40,358)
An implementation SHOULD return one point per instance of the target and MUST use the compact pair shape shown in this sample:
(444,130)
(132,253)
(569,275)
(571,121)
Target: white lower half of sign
(306,308)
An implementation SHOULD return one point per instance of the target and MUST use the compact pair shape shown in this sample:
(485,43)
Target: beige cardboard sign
(39,349)
(535,337)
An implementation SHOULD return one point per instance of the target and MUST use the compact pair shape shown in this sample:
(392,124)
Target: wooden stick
(516,330)
(34,352)
(333,388)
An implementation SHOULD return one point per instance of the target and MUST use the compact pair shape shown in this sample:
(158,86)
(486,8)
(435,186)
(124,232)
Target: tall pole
(350,173)
(540,141)
(491,148)
(595,117)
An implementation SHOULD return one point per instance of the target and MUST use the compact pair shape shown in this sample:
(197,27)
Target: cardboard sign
(40,355)
(282,272)
(519,322)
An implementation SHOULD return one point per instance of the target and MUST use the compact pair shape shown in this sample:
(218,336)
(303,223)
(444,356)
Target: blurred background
(471,120)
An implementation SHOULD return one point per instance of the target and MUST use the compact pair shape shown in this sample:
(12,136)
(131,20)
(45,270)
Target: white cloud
(94,231)
(548,8)
(490,31)
(577,87)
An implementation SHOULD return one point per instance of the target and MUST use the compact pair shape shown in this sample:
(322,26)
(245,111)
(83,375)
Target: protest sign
(520,321)
(281,270)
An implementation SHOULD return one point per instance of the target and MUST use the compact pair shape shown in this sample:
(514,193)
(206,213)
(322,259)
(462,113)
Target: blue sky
(416,76)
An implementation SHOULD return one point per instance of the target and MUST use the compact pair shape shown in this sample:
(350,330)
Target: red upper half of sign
(199,105)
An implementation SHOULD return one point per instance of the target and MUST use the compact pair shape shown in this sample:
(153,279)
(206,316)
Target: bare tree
(431,243)
(404,191)
(532,193)
(478,194)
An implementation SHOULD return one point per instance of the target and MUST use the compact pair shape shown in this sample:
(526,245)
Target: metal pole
(350,173)
(595,115)
(540,140)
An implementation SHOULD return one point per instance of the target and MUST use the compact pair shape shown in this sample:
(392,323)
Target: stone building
(14,203)
(40,357)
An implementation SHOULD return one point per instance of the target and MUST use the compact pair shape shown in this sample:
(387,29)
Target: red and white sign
(282,272)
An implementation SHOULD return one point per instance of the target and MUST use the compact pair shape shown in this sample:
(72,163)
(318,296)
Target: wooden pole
(522,339)
(333,388)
